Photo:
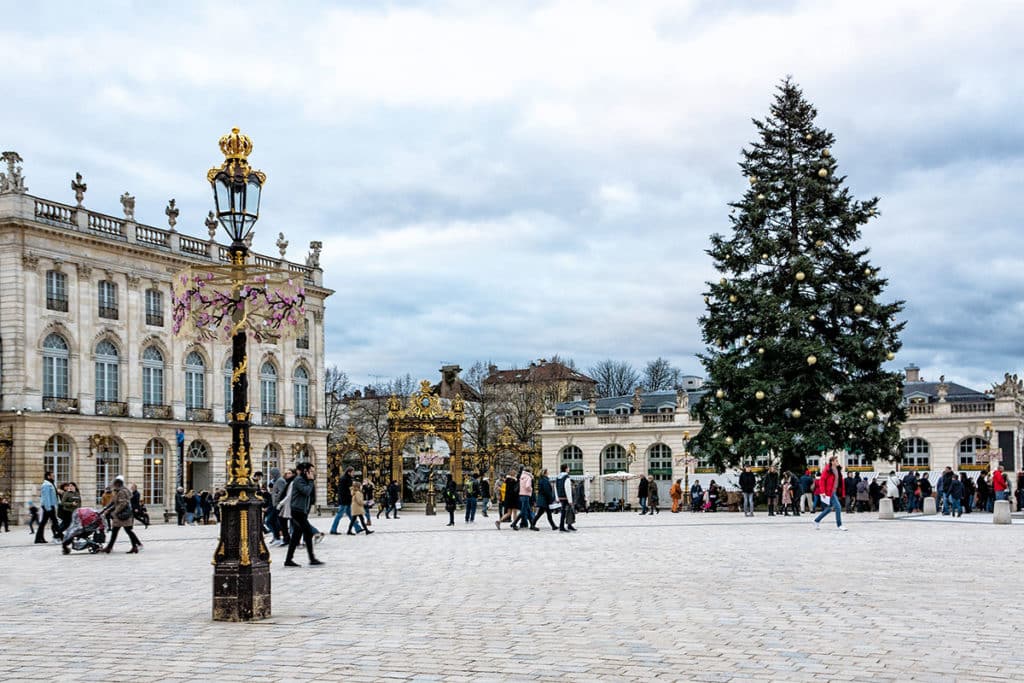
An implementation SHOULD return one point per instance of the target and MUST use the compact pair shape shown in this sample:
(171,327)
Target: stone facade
(644,434)
(94,382)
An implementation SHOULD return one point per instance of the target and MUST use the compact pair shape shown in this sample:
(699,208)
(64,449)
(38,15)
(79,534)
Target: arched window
(154,468)
(969,448)
(152,377)
(268,389)
(195,381)
(57,458)
(106,372)
(573,457)
(301,379)
(108,466)
(916,453)
(659,459)
(197,452)
(271,458)
(613,459)
(227,387)
(55,367)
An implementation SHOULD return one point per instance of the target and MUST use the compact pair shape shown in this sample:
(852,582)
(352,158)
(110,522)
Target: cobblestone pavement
(628,598)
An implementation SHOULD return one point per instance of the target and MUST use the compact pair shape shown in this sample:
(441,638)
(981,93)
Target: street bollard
(885,509)
(929,506)
(1001,512)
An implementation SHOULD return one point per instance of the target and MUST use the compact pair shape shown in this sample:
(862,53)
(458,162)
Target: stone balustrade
(67,217)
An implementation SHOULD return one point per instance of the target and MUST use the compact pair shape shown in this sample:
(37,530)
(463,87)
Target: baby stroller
(86,531)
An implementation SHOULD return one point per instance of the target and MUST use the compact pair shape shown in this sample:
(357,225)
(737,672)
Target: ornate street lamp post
(229,303)
(687,461)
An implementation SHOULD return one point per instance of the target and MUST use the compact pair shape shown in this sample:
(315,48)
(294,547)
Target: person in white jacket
(892,489)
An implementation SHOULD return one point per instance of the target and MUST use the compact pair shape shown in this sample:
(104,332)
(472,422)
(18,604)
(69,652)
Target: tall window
(301,392)
(659,458)
(268,388)
(573,457)
(108,299)
(106,372)
(227,386)
(271,458)
(613,459)
(108,466)
(969,447)
(153,472)
(195,381)
(56,291)
(916,453)
(152,377)
(154,308)
(302,341)
(55,367)
(57,458)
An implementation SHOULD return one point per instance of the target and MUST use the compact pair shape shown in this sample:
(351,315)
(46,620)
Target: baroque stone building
(94,384)
(947,425)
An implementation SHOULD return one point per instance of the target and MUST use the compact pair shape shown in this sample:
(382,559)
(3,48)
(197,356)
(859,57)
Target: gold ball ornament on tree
(763,442)
(719,394)
(826,152)
(867,272)
(858,309)
(808,137)
(890,356)
(870,414)
(822,172)
(760,350)
(764,257)
(760,197)
(812,359)
(728,441)
(812,317)
(796,413)
(732,298)
(707,299)
(753,179)
(800,276)
(819,243)
(723,282)
(759,395)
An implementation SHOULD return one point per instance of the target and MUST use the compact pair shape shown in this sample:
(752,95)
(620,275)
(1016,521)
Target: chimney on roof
(491,369)
(913,373)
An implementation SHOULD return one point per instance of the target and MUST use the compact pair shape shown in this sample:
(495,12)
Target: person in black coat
(179,505)
(303,496)
(545,499)
(748,482)
(771,490)
(344,496)
(485,495)
(451,499)
(641,495)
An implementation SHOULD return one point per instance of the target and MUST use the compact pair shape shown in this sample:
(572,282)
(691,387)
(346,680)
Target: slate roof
(650,402)
(956,392)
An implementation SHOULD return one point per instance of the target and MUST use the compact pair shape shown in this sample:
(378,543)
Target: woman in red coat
(830,489)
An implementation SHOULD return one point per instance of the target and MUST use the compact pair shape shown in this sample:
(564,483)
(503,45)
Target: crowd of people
(196,507)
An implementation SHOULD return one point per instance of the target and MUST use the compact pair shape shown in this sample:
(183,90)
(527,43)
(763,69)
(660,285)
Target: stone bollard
(1001,512)
(885,509)
(929,506)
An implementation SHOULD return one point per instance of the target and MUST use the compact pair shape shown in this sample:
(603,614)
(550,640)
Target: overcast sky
(506,181)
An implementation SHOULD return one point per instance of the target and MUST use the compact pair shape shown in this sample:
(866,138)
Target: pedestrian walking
(120,513)
(451,499)
(485,495)
(510,500)
(641,494)
(787,496)
(344,496)
(563,489)
(830,490)
(33,517)
(48,502)
(545,499)
(394,499)
(358,510)
(138,507)
(676,494)
(747,484)
(807,492)
(472,492)
(652,495)
(70,500)
(525,518)
(300,498)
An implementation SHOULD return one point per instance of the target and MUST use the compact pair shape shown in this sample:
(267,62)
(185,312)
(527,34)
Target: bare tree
(614,378)
(336,385)
(659,374)
(482,418)
(522,408)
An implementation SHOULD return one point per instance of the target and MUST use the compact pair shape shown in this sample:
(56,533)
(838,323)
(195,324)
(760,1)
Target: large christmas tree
(796,333)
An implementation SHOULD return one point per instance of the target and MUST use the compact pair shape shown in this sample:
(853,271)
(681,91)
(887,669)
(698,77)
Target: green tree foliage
(796,332)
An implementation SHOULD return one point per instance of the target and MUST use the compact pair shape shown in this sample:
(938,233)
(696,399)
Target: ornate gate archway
(424,415)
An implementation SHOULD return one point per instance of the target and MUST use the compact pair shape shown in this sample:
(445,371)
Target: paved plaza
(628,598)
